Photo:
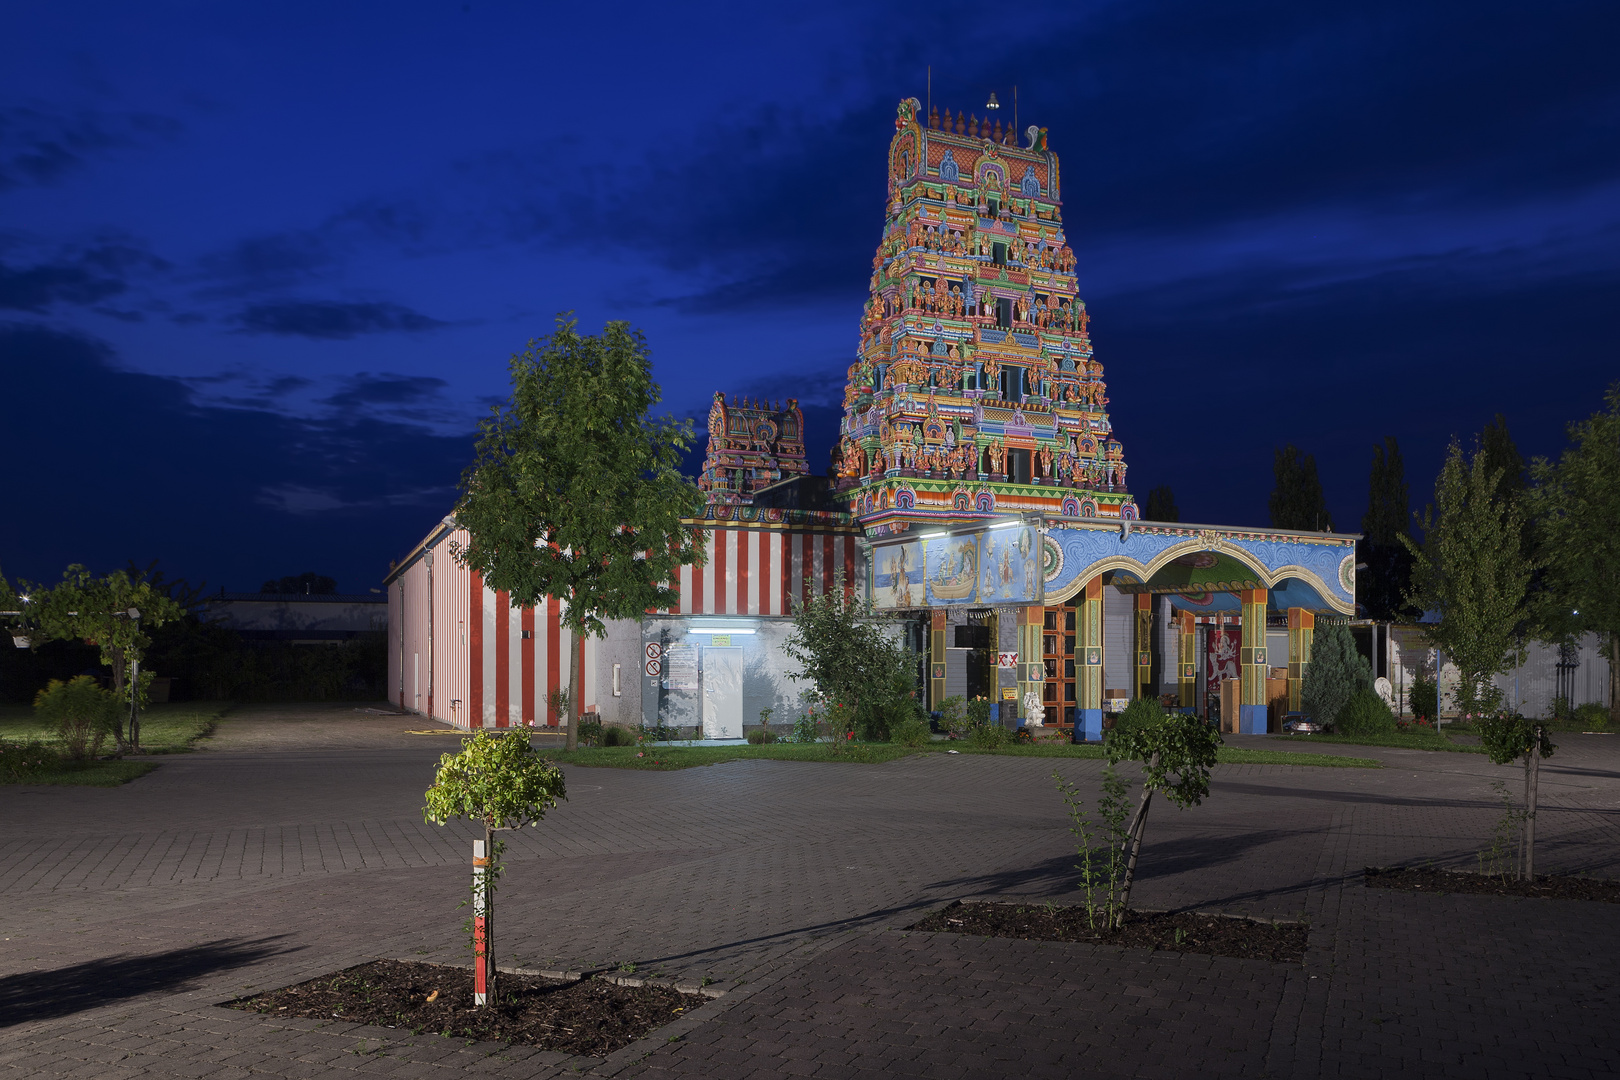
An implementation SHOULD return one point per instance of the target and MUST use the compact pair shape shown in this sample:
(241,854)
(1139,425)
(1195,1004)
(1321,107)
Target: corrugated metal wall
(494,664)
(1528,688)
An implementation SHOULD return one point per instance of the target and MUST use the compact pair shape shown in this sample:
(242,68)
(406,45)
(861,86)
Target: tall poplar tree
(1296,501)
(1576,503)
(1472,571)
(1382,586)
(1161,505)
(576,492)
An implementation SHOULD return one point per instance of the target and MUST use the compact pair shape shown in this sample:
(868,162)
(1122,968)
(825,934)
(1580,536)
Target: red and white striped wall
(462,652)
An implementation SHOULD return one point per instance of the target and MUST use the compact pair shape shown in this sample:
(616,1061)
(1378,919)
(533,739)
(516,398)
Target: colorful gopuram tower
(974,392)
(752,445)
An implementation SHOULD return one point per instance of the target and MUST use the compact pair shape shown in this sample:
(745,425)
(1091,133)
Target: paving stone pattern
(294,846)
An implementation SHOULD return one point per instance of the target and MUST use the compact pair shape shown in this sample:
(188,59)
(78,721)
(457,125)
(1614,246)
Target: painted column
(1088,648)
(1252,687)
(936,659)
(1301,629)
(1031,666)
(1144,646)
(1187,662)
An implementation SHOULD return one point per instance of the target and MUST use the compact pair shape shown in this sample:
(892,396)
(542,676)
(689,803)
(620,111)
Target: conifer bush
(1334,675)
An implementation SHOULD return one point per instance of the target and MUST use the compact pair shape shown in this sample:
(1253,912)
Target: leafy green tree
(499,781)
(115,613)
(1176,752)
(1472,571)
(1382,586)
(576,492)
(1335,674)
(855,664)
(1505,739)
(1576,505)
(1161,505)
(1296,501)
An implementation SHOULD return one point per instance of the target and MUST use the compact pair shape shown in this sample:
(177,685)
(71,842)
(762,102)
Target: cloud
(330,320)
(218,492)
(83,274)
(385,389)
(271,261)
(40,145)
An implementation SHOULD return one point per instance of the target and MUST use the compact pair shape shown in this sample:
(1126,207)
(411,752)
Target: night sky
(262,265)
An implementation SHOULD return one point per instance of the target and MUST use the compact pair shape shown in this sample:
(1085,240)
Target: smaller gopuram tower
(752,444)
(974,392)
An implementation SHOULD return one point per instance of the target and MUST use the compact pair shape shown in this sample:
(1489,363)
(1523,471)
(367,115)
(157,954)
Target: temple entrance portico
(1086,615)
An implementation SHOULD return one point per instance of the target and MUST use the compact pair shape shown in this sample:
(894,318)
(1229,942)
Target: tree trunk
(1530,809)
(568,716)
(1133,837)
(118,688)
(135,706)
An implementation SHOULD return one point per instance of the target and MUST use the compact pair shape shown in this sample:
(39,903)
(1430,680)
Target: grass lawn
(169,728)
(165,729)
(1403,740)
(665,758)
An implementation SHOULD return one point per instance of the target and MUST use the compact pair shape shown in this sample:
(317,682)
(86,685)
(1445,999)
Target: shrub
(80,712)
(761,736)
(1423,697)
(1335,673)
(590,733)
(990,737)
(910,732)
(1592,715)
(1365,714)
(22,761)
(613,735)
(804,728)
(978,711)
(953,714)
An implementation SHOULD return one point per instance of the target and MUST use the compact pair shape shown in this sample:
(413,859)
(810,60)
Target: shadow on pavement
(46,995)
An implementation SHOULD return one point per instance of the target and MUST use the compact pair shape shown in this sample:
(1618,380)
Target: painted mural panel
(952,570)
(897,576)
(1009,566)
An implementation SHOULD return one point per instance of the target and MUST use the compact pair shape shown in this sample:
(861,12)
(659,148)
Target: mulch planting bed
(592,1017)
(1551,887)
(1180,931)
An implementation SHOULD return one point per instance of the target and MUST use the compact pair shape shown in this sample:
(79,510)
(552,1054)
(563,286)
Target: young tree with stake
(500,782)
(1505,739)
(576,492)
(1176,752)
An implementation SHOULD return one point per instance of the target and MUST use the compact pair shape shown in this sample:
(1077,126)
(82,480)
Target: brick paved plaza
(294,846)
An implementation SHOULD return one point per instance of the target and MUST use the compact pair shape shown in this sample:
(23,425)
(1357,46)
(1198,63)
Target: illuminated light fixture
(992,103)
(933,536)
(1007,524)
(719,626)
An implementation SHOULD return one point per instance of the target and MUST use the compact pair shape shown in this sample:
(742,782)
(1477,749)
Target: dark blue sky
(262,265)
